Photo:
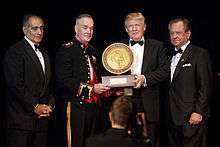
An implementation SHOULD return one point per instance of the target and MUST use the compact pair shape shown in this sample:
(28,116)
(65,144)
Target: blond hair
(135,16)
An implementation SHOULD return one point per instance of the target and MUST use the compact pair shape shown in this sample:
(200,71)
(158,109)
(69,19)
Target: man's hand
(43,110)
(195,118)
(100,88)
(139,81)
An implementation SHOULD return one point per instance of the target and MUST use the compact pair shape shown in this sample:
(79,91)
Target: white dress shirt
(175,60)
(138,52)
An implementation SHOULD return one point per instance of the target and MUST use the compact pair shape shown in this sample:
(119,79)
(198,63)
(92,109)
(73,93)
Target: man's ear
(110,116)
(188,34)
(145,26)
(24,29)
(75,29)
(126,29)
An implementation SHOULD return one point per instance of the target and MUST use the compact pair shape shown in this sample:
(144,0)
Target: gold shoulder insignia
(68,44)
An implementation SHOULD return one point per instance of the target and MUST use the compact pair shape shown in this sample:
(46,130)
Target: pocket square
(186,65)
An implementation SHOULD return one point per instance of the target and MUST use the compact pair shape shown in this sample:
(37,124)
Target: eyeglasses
(177,33)
(35,28)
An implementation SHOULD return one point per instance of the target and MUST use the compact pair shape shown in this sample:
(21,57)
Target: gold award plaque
(117,58)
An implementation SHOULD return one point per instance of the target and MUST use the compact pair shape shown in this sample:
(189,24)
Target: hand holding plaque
(118,59)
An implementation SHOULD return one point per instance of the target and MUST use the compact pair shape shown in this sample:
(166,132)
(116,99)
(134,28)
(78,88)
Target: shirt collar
(184,46)
(142,39)
(30,42)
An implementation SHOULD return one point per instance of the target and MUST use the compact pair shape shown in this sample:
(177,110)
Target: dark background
(109,16)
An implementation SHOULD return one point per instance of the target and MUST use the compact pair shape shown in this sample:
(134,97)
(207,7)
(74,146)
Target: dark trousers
(84,123)
(187,136)
(23,138)
(154,133)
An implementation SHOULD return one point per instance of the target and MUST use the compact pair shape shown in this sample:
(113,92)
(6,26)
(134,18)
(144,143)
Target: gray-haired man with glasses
(28,99)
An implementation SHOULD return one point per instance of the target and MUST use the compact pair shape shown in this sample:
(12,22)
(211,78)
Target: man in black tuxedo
(189,90)
(121,114)
(78,83)
(151,68)
(28,99)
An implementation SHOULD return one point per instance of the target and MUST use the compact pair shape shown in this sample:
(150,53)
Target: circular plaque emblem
(117,58)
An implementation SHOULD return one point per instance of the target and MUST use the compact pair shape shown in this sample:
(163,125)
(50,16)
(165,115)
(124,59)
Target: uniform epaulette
(68,44)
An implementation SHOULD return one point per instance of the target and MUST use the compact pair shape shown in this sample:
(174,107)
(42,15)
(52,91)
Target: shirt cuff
(145,82)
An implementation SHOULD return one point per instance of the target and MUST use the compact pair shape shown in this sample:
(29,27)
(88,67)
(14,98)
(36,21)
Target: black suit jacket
(190,88)
(114,138)
(26,86)
(155,68)
(71,68)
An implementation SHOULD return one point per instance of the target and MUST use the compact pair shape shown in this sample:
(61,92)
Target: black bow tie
(180,51)
(38,47)
(141,42)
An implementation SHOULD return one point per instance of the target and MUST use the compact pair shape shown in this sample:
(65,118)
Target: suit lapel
(36,61)
(47,66)
(34,57)
(145,56)
(47,71)
(182,61)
